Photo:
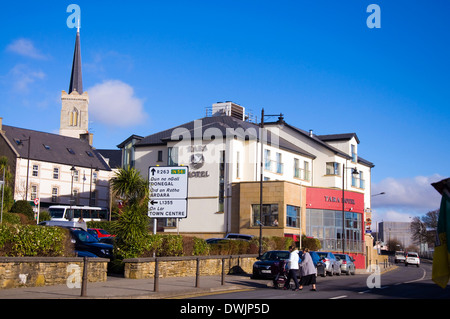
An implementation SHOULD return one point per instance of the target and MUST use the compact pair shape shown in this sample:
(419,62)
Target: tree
(423,228)
(131,226)
(129,186)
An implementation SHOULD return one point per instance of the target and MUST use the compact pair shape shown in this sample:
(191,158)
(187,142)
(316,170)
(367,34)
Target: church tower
(74,111)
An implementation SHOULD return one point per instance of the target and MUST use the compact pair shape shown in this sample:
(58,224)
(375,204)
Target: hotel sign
(168,191)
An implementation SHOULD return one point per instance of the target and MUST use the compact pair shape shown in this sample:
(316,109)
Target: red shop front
(329,200)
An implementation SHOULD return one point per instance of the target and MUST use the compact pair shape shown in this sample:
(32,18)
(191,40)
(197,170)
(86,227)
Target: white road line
(339,297)
(424,274)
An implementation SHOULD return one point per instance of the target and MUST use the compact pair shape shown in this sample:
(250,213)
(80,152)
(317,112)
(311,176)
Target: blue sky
(315,61)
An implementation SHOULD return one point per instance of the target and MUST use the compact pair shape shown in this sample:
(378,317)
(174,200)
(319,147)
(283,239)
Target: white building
(302,174)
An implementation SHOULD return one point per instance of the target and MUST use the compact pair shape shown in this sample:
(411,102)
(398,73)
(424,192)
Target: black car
(86,242)
(318,263)
(268,264)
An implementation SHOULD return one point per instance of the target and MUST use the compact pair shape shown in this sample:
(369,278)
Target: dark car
(268,264)
(86,242)
(318,263)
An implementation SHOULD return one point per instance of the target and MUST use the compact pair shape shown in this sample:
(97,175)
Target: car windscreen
(275,255)
(85,237)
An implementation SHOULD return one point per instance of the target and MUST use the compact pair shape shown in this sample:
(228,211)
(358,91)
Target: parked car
(346,263)
(318,263)
(332,266)
(86,242)
(216,240)
(399,257)
(239,236)
(412,259)
(268,264)
(100,233)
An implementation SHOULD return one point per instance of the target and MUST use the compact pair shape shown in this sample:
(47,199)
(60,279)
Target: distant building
(400,231)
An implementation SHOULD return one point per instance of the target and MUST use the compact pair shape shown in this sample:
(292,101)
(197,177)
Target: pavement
(123,288)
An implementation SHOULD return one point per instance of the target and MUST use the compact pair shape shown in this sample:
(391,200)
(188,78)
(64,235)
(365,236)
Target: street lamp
(354,173)
(261,138)
(72,172)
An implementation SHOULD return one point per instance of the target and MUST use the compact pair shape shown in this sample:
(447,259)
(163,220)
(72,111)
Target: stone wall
(143,268)
(45,271)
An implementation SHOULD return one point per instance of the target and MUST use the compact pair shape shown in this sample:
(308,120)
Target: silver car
(332,266)
(346,263)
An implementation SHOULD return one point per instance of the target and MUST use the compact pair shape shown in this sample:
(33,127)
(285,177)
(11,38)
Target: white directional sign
(168,191)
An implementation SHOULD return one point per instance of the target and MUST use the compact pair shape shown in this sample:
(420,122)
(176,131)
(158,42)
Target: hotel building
(308,180)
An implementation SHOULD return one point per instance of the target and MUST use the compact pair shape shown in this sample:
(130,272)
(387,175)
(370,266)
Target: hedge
(33,240)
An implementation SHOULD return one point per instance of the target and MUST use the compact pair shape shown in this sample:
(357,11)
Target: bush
(312,243)
(32,240)
(11,218)
(23,207)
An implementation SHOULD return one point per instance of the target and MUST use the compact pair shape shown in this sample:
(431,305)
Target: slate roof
(54,148)
(208,125)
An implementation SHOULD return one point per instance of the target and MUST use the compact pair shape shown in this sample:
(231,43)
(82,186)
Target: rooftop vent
(228,108)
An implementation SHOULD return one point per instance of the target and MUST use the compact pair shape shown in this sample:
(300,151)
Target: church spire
(76,82)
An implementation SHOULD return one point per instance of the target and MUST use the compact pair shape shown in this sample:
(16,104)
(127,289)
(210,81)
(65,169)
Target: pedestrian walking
(308,271)
(293,269)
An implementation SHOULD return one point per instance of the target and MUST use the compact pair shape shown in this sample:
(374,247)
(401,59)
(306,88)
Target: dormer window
(354,155)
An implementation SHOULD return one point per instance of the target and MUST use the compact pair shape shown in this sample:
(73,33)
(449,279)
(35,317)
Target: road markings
(422,278)
(340,297)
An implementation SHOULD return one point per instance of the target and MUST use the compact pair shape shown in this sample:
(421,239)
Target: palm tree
(129,186)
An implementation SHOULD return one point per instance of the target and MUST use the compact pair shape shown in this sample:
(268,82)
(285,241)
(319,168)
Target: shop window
(293,216)
(269,215)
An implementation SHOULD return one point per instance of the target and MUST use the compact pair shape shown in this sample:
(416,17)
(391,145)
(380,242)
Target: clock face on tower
(196,161)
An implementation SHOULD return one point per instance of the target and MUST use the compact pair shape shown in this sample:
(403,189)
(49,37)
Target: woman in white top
(293,268)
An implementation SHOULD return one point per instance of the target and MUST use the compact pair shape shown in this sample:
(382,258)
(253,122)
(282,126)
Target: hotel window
(35,172)
(269,214)
(292,216)
(55,173)
(267,160)
(238,155)
(279,163)
(362,182)
(354,156)
(55,192)
(221,181)
(160,156)
(94,177)
(333,168)
(172,156)
(296,168)
(306,172)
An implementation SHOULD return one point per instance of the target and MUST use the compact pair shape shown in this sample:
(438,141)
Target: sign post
(168,192)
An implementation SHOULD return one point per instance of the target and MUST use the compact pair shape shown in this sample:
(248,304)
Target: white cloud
(113,103)
(22,77)
(405,197)
(26,48)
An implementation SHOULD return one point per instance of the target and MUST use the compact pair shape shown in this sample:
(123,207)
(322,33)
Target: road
(399,283)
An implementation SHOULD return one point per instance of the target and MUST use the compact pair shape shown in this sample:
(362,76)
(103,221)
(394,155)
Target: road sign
(168,191)
(36,201)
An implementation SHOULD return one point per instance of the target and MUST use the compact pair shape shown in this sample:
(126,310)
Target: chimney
(228,108)
(1,123)
(311,133)
(87,137)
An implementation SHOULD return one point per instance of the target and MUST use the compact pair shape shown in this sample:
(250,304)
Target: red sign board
(325,198)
